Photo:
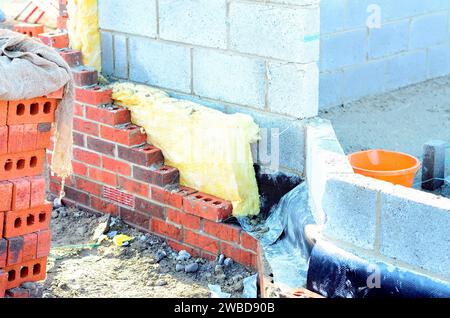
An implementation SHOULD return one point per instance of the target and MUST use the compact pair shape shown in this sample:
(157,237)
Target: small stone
(191,268)
(221,277)
(57,203)
(160,282)
(160,255)
(55,214)
(29,285)
(207,275)
(218,269)
(237,278)
(179,267)
(62,213)
(238,287)
(220,259)
(183,256)
(228,262)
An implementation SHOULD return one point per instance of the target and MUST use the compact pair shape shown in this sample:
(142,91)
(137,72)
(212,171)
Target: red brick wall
(117,172)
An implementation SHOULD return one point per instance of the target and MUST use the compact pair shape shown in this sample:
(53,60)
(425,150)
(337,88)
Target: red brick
(135,218)
(86,127)
(3,250)
(93,95)
(6,190)
(103,176)
(239,255)
(181,218)
(37,196)
(165,176)
(112,116)
(201,241)
(77,196)
(134,187)
(27,221)
(142,174)
(223,231)
(249,242)
(85,76)
(30,243)
(22,164)
(79,168)
(149,208)
(129,135)
(78,109)
(85,156)
(73,58)
(116,166)
(104,206)
(18,292)
(162,228)
(15,138)
(144,156)
(31,111)
(44,239)
(30,135)
(4,132)
(30,29)
(78,139)
(101,146)
(31,271)
(175,197)
(21,194)
(3,283)
(159,194)
(3,112)
(15,249)
(89,186)
(55,39)
(44,134)
(207,206)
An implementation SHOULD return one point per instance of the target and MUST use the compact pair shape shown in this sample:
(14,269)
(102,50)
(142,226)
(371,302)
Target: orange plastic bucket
(395,167)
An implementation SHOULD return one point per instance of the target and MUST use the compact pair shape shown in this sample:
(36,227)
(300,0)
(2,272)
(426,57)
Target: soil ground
(402,120)
(79,268)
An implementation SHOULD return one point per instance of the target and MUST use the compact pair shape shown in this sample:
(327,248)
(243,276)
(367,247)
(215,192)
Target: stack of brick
(25,132)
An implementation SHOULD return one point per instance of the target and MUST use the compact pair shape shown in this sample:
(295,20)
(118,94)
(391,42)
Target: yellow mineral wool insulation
(83,31)
(211,149)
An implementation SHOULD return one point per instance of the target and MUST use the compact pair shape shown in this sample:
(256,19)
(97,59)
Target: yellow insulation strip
(211,149)
(83,31)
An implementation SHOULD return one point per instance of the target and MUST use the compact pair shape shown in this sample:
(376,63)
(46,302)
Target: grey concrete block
(350,204)
(121,56)
(160,64)
(107,53)
(433,167)
(415,227)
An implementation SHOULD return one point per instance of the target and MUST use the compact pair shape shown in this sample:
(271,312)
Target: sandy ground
(401,120)
(145,268)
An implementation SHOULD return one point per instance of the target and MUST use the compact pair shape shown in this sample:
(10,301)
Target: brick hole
(47,107)
(33,162)
(34,109)
(8,165)
(20,164)
(147,148)
(42,217)
(36,269)
(20,110)
(96,88)
(17,223)
(217,203)
(164,169)
(11,275)
(24,272)
(30,219)
(198,196)
(207,199)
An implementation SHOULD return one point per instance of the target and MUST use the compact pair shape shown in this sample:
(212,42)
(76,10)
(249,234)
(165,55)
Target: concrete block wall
(251,56)
(411,45)
(374,219)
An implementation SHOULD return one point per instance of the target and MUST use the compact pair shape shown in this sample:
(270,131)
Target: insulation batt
(211,149)
(83,31)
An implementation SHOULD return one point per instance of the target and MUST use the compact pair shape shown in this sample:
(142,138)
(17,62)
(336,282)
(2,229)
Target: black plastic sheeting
(336,273)
(284,243)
